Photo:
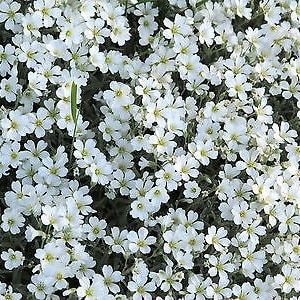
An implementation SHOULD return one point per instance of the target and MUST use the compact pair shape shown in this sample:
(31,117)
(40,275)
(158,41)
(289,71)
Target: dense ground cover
(149,149)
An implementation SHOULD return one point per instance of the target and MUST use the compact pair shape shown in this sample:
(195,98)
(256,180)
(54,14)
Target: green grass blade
(74,101)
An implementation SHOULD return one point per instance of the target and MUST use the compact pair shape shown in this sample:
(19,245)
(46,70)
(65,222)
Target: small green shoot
(74,101)
(74,114)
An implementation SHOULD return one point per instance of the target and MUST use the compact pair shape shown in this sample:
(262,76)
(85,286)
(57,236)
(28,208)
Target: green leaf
(74,101)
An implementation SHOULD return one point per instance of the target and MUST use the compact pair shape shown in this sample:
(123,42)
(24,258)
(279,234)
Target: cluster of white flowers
(174,173)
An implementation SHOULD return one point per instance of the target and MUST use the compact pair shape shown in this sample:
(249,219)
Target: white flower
(9,14)
(241,9)
(12,220)
(35,152)
(9,88)
(216,237)
(31,24)
(58,271)
(111,129)
(53,216)
(249,162)
(123,181)
(47,11)
(276,248)
(219,290)
(99,170)
(141,208)
(13,259)
(11,154)
(37,83)
(119,33)
(283,133)
(184,260)
(206,33)
(252,261)
(187,166)
(15,125)
(31,233)
(252,232)
(111,277)
(290,89)
(264,112)
(197,287)
(95,228)
(162,141)
(117,240)
(289,279)
(191,241)
(245,291)
(71,34)
(287,218)
(221,265)
(242,214)
(292,248)
(95,30)
(92,290)
(157,195)
(40,286)
(238,85)
(192,189)
(7,58)
(9,294)
(141,288)
(177,28)
(139,241)
(203,151)
(84,152)
(168,177)
(53,171)
(58,49)
(168,279)
(41,122)
(173,240)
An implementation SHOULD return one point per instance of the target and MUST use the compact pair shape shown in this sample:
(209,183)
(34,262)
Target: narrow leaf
(74,101)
